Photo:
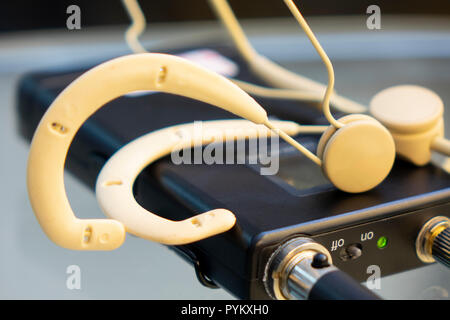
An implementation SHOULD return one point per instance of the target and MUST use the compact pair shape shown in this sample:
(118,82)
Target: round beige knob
(358,156)
(326,135)
(407,108)
(414,116)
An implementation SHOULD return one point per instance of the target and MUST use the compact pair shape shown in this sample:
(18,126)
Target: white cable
(137,26)
(270,71)
(326,99)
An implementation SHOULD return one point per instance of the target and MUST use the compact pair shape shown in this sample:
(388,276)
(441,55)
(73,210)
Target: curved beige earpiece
(114,189)
(78,102)
(414,116)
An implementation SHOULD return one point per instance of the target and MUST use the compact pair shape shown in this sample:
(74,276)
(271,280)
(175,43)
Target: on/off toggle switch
(351,252)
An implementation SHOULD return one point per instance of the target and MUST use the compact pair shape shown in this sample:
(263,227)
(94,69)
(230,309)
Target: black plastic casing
(268,211)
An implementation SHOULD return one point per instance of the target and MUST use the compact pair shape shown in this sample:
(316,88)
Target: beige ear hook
(78,102)
(414,116)
(114,189)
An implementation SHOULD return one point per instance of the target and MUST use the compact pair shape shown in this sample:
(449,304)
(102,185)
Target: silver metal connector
(294,268)
(433,241)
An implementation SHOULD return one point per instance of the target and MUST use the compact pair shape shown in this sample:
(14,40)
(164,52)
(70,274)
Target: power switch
(351,252)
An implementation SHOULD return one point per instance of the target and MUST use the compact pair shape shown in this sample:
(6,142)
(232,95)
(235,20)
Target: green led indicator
(382,242)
